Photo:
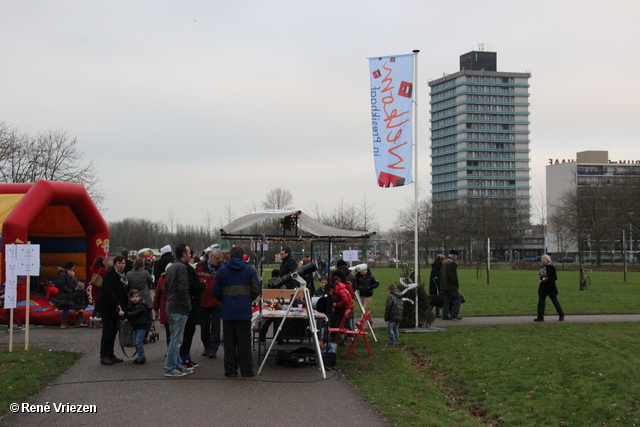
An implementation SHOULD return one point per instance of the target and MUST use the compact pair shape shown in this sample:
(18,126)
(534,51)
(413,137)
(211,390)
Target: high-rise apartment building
(480,134)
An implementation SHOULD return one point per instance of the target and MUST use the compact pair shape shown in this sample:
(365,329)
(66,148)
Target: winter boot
(63,325)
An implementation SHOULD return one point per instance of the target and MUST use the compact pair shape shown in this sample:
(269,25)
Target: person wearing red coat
(210,307)
(342,302)
(52,292)
(160,305)
(342,298)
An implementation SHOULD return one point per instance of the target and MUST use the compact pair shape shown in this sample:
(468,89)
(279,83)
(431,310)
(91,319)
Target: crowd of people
(443,282)
(217,293)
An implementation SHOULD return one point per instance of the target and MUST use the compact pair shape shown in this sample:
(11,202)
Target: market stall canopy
(304,222)
(149,252)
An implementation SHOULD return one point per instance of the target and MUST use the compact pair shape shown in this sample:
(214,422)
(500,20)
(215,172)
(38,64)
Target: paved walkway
(511,320)
(126,394)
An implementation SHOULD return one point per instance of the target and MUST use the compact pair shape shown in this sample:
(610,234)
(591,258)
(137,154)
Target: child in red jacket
(341,302)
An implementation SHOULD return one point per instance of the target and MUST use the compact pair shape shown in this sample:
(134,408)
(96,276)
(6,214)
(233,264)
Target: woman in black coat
(548,288)
(113,299)
(67,283)
(434,283)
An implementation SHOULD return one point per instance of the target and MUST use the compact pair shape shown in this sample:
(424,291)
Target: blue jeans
(392,330)
(451,297)
(172,360)
(138,340)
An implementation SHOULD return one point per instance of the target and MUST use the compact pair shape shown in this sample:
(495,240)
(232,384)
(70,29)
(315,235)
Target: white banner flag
(392,118)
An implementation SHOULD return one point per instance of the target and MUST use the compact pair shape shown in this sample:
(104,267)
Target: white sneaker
(176,373)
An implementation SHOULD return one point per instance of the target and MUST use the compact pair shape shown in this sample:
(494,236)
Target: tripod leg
(275,338)
(314,330)
(368,322)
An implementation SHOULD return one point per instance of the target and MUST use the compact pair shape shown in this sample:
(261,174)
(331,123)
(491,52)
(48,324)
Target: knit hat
(453,252)
(165,249)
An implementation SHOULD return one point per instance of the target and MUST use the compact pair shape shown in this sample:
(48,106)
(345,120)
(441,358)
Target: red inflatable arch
(61,218)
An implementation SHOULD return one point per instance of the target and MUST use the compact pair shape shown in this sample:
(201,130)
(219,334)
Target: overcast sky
(198,105)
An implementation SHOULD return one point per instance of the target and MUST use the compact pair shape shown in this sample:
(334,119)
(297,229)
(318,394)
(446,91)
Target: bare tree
(369,218)
(317,211)
(173,219)
(406,220)
(540,206)
(512,220)
(559,227)
(278,199)
(345,216)
(50,156)
(229,213)
(208,220)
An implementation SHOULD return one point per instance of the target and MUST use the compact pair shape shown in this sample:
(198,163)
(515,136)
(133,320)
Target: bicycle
(585,280)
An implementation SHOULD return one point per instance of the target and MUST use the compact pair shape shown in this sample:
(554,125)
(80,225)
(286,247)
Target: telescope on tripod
(302,271)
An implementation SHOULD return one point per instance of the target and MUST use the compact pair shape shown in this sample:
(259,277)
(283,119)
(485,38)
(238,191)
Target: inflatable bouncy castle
(64,221)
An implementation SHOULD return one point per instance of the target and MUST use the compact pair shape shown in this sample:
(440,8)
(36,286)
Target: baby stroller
(153,334)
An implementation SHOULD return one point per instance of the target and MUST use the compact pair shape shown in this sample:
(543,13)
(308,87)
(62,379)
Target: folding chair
(341,329)
(360,331)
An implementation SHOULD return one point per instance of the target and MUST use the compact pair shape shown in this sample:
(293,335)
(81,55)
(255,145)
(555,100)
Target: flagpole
(415,175)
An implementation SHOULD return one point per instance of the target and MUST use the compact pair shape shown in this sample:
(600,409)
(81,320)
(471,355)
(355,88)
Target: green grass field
(515,292)
(554,374)
(24,373)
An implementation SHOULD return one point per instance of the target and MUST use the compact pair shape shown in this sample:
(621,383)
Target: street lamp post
(630,236)
(624,254)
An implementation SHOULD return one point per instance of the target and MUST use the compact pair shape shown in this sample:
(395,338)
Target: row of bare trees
(596,216)
(442,227)
(52,155)
(137,233)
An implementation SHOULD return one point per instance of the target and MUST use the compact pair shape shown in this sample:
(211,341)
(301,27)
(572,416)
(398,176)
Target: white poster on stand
(350,255)
(11,285)
(28,260)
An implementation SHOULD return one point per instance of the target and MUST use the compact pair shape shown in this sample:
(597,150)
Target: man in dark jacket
(112,299)
(236,286)
(450,285)
(434,283)
(287,265)
(161,265)
(178,309)
(365,284)
(195,293)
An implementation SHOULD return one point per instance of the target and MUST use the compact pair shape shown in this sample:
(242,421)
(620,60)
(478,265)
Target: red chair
(341,329)
(366,316)
(358,332)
